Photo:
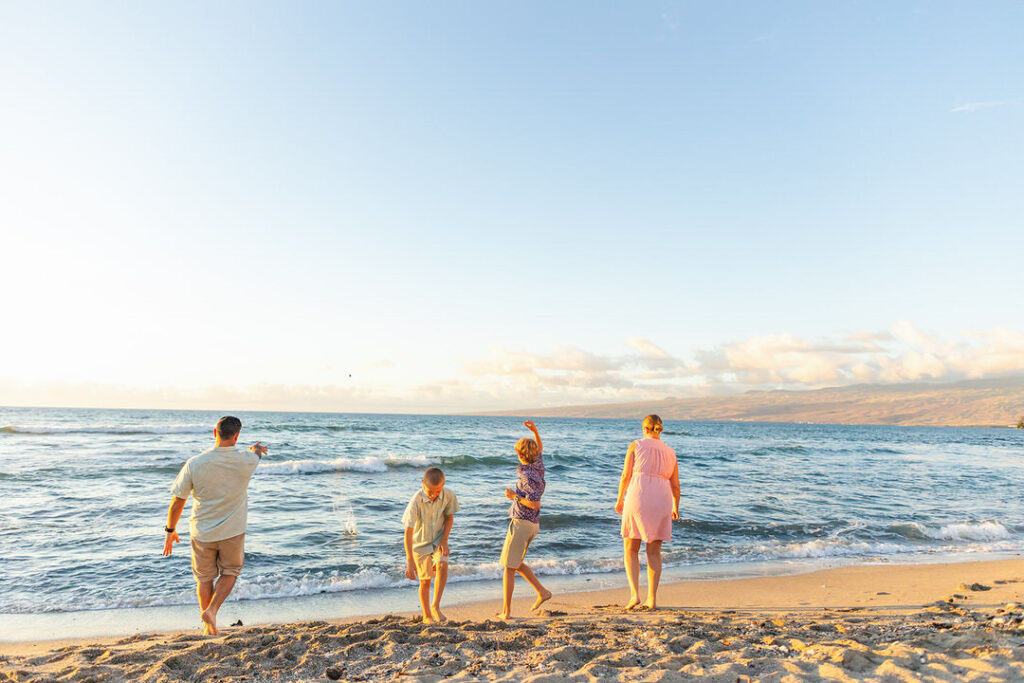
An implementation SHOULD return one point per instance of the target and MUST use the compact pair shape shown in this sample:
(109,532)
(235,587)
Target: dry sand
(948,622)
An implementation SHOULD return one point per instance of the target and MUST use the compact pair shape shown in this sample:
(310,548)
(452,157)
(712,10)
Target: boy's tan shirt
(426,519)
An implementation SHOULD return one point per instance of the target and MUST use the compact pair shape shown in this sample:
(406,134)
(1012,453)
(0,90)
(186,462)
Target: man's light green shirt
(426,519)
(218,480)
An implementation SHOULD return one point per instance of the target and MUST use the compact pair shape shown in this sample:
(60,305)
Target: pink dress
(647,506)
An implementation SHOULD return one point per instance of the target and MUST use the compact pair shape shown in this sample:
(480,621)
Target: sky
(455,206)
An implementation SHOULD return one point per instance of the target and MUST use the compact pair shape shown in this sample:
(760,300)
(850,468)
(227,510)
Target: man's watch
(169,530)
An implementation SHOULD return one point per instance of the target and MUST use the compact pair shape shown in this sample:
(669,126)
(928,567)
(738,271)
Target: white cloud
(565,375)
(978,106)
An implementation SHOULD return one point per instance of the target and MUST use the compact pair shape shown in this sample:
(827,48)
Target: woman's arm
(673,483)
(627,475)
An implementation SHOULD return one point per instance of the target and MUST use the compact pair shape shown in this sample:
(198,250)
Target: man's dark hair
(433,476)
(228,426)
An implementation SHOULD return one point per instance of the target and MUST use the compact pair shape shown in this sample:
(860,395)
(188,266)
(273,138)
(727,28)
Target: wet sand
(948,622)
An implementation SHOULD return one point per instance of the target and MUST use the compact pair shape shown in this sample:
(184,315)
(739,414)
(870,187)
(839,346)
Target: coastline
(892,615)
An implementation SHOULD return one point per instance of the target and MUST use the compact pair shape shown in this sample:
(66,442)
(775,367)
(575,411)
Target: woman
(648,502)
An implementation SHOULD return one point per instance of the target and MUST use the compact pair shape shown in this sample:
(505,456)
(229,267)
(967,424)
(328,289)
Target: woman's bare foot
(438,614)
(633,602)
(650,604)
(209,622)
(541,599)
(503,616)
(428,619)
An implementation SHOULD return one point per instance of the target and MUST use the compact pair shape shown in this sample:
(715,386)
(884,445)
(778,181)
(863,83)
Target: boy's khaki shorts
(426,565)
(517,542)
(218,557)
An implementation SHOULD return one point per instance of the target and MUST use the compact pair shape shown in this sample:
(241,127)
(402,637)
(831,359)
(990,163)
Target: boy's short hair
(433,476)
(652,423)
(527,450)
(228,426)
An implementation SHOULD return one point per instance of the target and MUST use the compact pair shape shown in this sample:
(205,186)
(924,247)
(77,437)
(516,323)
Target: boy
(428,520)
(524,514)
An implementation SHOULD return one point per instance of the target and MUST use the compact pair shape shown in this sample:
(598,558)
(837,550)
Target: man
(217,479)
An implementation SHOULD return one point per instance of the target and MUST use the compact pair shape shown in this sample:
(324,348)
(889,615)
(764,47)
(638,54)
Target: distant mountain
(987,402)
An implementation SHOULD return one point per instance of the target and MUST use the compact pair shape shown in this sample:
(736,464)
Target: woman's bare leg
(630,551)
(653,572)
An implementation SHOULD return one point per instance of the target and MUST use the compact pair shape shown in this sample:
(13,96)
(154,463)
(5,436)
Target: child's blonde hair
(652,423)
(527,450)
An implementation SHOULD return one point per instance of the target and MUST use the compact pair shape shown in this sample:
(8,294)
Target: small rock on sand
(974,587)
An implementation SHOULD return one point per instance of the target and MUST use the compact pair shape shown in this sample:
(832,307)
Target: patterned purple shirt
(531,487)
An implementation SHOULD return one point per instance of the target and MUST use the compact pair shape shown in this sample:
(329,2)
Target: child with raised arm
(524,520)
(428,520)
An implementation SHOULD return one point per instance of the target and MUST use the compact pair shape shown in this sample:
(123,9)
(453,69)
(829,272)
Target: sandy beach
(940,622)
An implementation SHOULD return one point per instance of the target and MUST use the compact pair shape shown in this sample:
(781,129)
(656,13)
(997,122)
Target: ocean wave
(369,464)
(109,429)
(839,546)
(988,530)
(381,464)
(769,450)
(274,586)
(317,428)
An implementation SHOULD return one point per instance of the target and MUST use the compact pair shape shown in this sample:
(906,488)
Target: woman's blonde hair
(527,450)
(652,423)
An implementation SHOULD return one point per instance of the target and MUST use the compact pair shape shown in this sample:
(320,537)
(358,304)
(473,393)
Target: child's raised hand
(509,493)
(529,425)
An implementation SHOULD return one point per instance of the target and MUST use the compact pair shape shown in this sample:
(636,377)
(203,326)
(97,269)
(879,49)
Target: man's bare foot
(541,599)
(427,619)
(503,616)
(438,614)
(633,602)
(650,604)
(209,622)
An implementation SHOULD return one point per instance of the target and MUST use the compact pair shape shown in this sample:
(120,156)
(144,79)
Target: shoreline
(350,605)
(933,601)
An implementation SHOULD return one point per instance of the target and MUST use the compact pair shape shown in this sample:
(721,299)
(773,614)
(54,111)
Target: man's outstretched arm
(173,515)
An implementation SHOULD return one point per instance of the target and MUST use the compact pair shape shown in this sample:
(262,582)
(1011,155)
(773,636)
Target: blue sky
(466,205)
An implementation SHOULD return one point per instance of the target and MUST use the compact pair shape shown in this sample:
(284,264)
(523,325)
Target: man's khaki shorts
(218,557)
(426,565)
(517,542)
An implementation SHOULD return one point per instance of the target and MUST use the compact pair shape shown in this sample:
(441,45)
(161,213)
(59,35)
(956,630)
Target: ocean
(84,494)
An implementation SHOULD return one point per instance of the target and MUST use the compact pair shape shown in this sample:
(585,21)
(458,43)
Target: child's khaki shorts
(218,557)
(426,565)
(517,542)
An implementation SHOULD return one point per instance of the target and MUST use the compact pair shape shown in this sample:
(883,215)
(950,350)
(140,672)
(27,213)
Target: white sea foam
(988,530)
(267,587)
(369,464)
(108,429)
(971,531)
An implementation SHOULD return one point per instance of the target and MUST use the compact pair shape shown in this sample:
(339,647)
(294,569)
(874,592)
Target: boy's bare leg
(440,579)
(204,590)
(631,558)
(220,593)
(543,594)
(653,572)
(508,585)
(428,617)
